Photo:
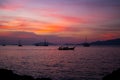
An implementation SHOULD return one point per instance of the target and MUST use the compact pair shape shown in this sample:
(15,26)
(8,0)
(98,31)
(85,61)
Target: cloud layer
(97,19)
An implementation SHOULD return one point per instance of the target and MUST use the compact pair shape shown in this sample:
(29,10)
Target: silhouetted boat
(3,43)
(36,44)
(66,48)
(19,43)
(45,43)
(86,44)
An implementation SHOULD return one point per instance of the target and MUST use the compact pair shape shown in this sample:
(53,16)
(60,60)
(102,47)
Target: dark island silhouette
(111,42)
(107,42)
(9,75)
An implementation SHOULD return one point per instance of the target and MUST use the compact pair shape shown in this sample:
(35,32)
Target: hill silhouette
(107,42)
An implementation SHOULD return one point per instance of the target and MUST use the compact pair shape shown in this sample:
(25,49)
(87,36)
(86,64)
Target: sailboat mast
(85,39)
(45,43)
(19,43)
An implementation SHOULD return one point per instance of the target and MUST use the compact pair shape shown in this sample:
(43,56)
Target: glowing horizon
(96,19)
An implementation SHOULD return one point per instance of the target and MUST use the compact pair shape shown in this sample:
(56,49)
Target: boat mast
(19,43)
(45,42)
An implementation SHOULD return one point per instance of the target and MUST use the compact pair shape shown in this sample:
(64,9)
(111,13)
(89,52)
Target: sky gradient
(59,20)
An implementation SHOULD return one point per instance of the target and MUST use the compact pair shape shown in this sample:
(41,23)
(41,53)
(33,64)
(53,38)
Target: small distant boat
(3,43)
(19,43)
(86,44)
(45,43)
(66,48)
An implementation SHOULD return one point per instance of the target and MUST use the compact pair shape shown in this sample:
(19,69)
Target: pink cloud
(109,36)
(11,6)
(67,18)
(24,24)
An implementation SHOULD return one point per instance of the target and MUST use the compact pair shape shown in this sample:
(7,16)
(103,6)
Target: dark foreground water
(81,64)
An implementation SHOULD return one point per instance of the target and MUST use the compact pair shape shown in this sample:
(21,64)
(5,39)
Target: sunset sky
(59,20)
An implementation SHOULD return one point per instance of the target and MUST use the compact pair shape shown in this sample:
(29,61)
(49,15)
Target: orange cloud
(50,28)
(41,27)
(38,27)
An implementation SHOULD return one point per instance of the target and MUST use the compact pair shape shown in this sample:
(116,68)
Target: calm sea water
(81,64)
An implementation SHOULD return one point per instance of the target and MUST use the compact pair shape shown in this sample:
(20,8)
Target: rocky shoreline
(9,75)
(115,75)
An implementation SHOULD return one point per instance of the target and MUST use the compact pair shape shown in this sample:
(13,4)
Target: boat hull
(66,48)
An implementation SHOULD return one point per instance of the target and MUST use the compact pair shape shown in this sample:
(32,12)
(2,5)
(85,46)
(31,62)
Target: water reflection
(81,64)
